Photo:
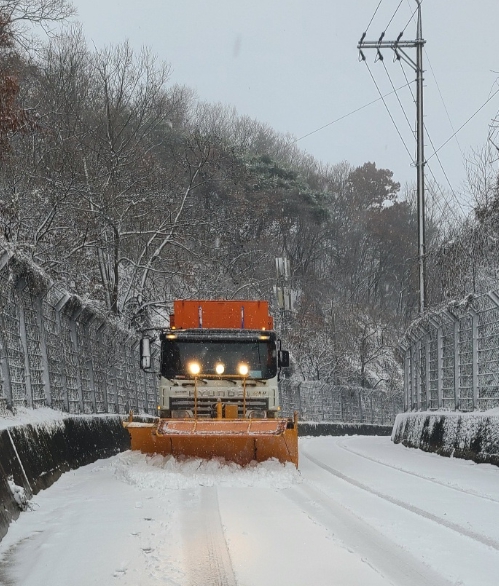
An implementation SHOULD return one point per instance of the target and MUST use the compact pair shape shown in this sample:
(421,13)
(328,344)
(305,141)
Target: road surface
(360,511)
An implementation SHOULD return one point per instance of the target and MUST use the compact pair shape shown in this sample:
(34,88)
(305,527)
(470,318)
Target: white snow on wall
(24,416)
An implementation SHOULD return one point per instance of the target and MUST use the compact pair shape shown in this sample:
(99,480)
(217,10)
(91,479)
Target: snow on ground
(360,511)
(160,473)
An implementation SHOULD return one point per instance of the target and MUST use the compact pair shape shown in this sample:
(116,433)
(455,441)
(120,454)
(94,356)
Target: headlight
(219,368)
(194,368)
(243,369)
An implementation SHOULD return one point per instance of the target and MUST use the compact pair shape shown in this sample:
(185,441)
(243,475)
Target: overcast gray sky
(294,65)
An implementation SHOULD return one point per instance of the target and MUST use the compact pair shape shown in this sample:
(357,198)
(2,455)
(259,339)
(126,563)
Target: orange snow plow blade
(236,440)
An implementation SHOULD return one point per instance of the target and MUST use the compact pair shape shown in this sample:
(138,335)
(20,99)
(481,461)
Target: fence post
(457,364)
(418,376)
(4,358)
(407,367)
(116,389)
(64,381)
(100,343)
(76,349)
(21,285)
(474,326)
(4,361)
(413,374)
(494,297)
(427,368)
(89,361)
(440,373)
(43,352)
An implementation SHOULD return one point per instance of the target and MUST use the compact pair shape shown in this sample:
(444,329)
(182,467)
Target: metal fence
(319,401)
(452,357)
(59,352)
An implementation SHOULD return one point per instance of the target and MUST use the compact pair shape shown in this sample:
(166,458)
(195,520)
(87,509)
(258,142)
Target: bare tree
(23,14)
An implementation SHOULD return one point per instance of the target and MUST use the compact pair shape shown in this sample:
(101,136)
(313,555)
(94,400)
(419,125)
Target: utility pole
(399,48)
(286,297)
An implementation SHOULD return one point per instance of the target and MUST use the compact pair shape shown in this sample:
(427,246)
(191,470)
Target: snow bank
(165,472)
(472,436)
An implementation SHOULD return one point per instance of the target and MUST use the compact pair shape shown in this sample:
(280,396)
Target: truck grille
(207,405)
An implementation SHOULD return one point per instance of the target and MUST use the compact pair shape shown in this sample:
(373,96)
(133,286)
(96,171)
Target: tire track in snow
(413,509)
(433,480)
(383,555)
(209,562)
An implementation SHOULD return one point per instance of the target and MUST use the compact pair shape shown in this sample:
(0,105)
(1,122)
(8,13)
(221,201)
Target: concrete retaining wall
(472,436)
(34,456)
(323,428)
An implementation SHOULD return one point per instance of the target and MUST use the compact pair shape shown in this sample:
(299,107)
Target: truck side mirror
(283,359)
(145,353)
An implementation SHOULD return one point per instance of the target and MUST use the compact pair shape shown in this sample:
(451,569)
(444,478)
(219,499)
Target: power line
(372,17)
(438,89)
(400,103)
(443,102)
(444,199)
(463,125)
(393,15)
(491,124)
(412,18)
(389,113)
(405,77)
(443,171)
(353,112)
(431,142)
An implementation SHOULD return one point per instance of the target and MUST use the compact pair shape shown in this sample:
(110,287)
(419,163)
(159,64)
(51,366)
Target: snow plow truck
(220,363)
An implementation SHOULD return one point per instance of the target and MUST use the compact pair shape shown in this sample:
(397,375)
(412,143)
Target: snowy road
(361,511)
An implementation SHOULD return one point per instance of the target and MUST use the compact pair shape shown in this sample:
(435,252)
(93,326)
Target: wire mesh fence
(319,401)
(59,352)
(452,357)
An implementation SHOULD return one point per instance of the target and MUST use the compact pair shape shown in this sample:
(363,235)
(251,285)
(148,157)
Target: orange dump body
(244,315)
(236,440)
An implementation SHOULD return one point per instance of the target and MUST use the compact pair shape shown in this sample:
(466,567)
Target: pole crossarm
(390,44)
(396,46)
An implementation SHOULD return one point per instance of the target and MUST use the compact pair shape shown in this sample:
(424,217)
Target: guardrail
(60,352)
(452,357)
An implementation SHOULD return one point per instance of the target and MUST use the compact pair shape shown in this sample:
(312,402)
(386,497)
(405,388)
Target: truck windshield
(259,356)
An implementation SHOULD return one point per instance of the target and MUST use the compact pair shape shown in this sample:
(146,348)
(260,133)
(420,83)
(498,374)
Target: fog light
(194,368)
(243,369)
